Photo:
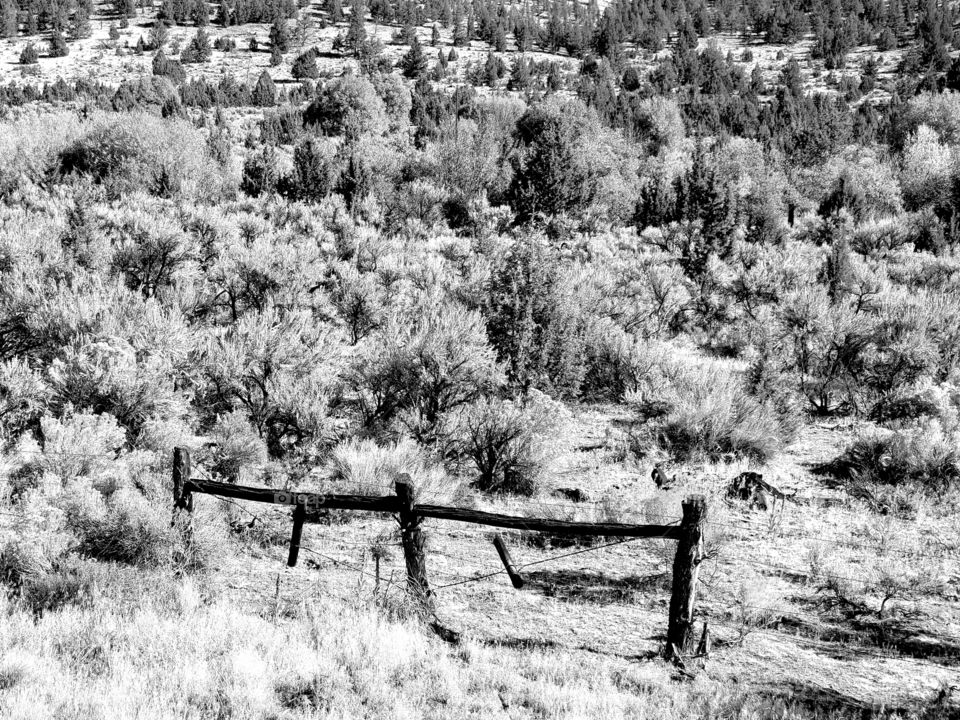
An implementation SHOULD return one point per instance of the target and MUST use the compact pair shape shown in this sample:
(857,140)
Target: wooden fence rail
(410,515)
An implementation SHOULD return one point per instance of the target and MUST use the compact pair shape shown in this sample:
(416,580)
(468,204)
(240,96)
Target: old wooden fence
(410,514)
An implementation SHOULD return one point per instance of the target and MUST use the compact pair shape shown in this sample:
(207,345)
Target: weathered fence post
(182,498)
(412,539)
(299,515)
(182,521)
(686,567)
(507,561)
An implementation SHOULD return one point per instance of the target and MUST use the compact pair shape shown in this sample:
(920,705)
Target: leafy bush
(509,442)
(271,365)
(142,152)
(348,106)
(30,145)
(421,372)
(127,529)
(80,443)
(23,396)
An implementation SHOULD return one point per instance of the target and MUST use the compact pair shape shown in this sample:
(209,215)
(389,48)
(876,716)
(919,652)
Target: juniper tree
(58,46)
(9,14)
(198,50)
(29,55)
(305,66)
(265,92)
(414,62)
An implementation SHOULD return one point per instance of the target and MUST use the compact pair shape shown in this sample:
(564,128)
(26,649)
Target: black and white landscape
(469,359)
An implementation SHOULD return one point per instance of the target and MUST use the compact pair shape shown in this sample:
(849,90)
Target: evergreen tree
(80,26)
(276,57)
(9,18)
(201,13)
(279,36)
(414,62)
(935,31)
(520,78)
(357,32)
(435,35)
(58,46)
(158,34)
(198,50)
(265,92)
(554,79)
(493,70)
(29,55)
(305,66)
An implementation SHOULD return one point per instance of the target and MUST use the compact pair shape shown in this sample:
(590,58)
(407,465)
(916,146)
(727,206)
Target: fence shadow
(585,586)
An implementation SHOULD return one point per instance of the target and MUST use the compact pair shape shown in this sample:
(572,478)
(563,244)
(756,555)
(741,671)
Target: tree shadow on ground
(827,702)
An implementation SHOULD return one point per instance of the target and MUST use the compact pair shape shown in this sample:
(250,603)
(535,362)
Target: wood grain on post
(182,497)
(515,577)
(299,515)
(686,568)
(411,536)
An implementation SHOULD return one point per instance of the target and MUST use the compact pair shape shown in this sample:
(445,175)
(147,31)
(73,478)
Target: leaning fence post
(507,561)
(686,567)
(411,537)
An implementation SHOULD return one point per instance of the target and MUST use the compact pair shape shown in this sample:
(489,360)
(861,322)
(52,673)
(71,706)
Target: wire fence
(484,572)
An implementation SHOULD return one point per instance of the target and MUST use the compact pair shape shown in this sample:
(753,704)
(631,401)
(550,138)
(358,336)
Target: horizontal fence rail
(547,525)
(410,516)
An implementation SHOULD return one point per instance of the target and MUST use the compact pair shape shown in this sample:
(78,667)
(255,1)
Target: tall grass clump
(704,409)
(372,468)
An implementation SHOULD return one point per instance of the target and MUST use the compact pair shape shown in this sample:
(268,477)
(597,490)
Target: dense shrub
(348,106)
(238,446)
(271,365)
(702,409)
(419,372)
(565,162)
(80,443)
(29,55)
(142,152)
(927,457)
(23,396)
(535,320)
(125,529)
(508,443)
